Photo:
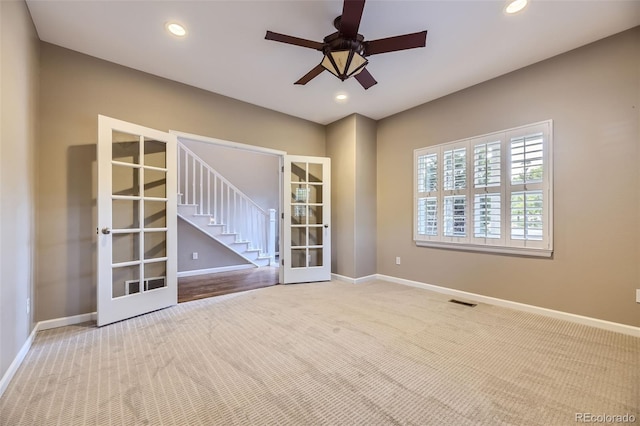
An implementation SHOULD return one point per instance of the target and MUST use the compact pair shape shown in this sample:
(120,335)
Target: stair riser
(187,210)
(200,221)
(251,255)
(215,230)
(262,262)
(226,239)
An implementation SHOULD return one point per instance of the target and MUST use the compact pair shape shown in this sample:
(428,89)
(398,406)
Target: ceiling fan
(345,51)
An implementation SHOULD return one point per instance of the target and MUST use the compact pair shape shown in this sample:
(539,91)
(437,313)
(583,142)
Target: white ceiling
(225,51)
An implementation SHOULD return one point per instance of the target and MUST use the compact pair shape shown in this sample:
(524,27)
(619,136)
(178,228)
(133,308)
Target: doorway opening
(229,217)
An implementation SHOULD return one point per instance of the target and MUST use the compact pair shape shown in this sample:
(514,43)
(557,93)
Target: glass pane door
(137,215)
(307,219)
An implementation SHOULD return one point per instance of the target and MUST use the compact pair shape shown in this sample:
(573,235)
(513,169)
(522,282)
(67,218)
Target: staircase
(208,201)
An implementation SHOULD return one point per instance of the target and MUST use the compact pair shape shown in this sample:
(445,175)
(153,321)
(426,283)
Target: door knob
(106,231)
(326,225)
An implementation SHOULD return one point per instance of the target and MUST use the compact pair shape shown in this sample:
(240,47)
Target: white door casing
(137,222)
(307,219)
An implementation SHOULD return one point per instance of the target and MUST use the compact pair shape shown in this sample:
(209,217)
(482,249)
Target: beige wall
(341,136)
(18,112)
(593,96)
(75,88)
(365,197)
(351,145)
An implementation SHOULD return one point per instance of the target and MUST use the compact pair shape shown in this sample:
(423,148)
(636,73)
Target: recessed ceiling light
(515,6)
(176,29)
(341,98)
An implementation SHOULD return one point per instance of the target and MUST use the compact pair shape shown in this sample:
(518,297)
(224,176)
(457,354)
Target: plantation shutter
(427,193)
(528,189)
(488,194)
(455,193)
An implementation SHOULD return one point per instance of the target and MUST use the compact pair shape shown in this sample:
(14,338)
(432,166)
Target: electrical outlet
(194,255)
(398,260)
(28,305)
(638,295)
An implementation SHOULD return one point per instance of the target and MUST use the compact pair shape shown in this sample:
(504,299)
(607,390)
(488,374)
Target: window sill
(518,251)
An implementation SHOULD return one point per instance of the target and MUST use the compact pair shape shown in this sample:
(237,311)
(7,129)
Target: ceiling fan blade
(365,79)
(392,44)
(282,38)
(350,19)
(311,75)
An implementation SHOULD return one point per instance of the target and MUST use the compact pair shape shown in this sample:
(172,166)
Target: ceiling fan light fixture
(356,65)
(328,65)
(515,6)
(344,63)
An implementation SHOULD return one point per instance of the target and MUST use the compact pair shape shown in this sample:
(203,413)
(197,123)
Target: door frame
(181,136)
(281,155)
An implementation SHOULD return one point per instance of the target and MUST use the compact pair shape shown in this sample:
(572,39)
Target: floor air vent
(133,286)
(460,302)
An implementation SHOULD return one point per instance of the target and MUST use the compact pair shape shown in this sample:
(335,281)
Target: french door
(136,220)
(307,218)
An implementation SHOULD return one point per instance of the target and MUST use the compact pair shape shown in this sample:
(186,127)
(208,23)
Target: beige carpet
(327,353)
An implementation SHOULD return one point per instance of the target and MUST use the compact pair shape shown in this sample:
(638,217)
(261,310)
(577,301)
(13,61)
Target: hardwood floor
(201,286)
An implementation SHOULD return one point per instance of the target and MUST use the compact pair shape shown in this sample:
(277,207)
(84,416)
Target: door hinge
(282,169)
(282,214)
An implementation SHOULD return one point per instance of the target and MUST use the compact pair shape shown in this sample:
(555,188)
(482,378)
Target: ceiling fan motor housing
(343,57)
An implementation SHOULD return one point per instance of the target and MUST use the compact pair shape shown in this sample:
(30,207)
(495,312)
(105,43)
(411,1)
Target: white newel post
(271,243)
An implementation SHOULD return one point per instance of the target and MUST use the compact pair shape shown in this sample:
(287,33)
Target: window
(487,193)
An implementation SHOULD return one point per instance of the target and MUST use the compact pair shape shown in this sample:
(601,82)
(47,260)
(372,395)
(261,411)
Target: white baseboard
(215,270)
(40,326)
(593,322)
(61,322)
(354,280)
(17,361)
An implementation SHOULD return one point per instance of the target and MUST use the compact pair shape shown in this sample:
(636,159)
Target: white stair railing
(215,196)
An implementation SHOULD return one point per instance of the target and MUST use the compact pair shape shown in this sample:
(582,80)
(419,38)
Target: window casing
(487,193)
